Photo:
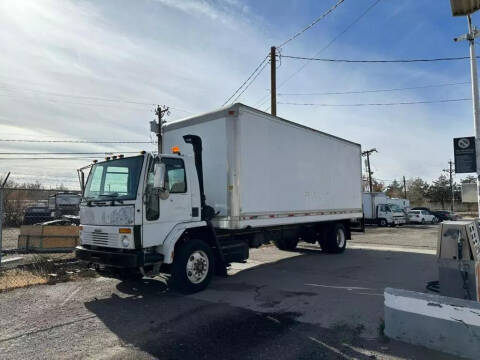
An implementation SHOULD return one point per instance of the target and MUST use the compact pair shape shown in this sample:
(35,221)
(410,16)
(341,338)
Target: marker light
(121,156)
(114,157)
(95,161)
(125,231)
(107,158)
(175,150)
(142,152)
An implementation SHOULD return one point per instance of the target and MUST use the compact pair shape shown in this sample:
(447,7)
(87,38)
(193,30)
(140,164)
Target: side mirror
(159,177)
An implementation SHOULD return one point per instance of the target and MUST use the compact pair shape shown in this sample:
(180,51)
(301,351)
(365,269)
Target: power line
(376,61)
(69,153)
(377,104)
(376,90)
(75,141)
(243,84)
(86,97)
(251,82)
(49,158)
(306,63)
(321,17)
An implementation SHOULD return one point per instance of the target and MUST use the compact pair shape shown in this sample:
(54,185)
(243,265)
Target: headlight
(125,241)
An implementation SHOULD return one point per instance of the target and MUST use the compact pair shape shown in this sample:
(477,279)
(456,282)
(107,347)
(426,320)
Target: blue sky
(59,57)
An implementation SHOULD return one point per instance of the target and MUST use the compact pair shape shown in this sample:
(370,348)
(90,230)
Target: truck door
(177,206)
(162,211)
(384,212)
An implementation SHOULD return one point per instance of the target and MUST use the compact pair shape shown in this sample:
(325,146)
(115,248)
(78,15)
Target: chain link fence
(24,206)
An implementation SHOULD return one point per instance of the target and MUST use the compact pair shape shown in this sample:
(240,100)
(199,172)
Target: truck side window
(152,204)
(175,175)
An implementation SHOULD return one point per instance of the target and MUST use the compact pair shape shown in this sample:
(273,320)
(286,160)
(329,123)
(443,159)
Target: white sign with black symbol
(465,155)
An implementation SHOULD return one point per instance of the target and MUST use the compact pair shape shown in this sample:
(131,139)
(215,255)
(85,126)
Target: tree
(440,190)
(417,190)
(395,190)
(470,179)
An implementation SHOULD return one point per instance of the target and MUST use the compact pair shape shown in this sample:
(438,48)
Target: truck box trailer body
(236,178)
(260,170)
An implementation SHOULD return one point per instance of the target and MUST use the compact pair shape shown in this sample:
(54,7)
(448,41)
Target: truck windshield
(395,208)
(114,179)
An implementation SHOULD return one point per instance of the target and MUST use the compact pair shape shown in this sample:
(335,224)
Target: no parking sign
(465,155)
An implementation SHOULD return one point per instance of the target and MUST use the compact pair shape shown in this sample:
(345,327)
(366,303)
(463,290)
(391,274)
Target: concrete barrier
(437,322)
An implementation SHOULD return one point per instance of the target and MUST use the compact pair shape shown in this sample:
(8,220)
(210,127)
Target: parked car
(421,217)
(445,215)
(36,214)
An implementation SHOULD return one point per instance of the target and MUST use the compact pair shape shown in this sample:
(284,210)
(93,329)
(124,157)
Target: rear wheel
(192,266)
(423,221)
(335,239)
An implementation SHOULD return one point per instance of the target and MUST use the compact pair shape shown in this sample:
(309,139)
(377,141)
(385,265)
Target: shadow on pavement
(216,324)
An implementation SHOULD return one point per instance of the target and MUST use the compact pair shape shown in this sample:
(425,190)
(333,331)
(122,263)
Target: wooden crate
(48,237)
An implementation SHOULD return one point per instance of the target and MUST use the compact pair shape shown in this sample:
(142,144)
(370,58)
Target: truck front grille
(100,239)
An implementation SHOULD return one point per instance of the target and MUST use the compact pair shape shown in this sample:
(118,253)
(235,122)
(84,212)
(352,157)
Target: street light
(466,8)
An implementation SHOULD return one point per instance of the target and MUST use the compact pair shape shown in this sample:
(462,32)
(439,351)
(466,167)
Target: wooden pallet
(48,238)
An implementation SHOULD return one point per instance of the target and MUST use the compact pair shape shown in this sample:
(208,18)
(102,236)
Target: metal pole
(476,109)
(405,187)
(451,186)
(1,223)
(273,80)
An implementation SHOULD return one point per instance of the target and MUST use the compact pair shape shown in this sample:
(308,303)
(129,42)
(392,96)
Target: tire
(383,223)
(286,244)
(193,266)
(434,221)
(335,239)
(423,221)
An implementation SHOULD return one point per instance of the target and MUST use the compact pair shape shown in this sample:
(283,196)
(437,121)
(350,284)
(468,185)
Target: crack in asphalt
(46,329)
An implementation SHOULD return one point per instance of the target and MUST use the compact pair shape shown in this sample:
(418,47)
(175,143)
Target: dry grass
(16,278)
(44,269)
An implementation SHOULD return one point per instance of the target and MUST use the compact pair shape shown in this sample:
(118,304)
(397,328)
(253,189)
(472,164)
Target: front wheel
(336,239)
(434,220)
(193,266)
(423,221)
(383,222)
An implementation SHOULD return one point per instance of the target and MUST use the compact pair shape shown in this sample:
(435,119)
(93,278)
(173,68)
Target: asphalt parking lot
(284,305)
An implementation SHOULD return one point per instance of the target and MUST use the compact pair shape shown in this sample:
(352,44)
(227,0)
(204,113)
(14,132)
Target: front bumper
(399,221)
(132,259)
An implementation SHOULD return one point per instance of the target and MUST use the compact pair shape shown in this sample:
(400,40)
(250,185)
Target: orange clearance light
(121,156)
(107,158)
(95,161)
(175,150)
(125,231)
(142,152)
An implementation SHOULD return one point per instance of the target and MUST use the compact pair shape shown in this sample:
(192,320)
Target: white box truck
(236,178)
(379,209)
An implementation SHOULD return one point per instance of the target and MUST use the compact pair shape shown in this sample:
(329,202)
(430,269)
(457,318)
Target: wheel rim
(340,238)
(197,267)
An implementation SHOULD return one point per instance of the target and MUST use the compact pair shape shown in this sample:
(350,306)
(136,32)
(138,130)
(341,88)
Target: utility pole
(273,80)
(450,172)
(460,8)
(405,187)
(367,154)
(160,111)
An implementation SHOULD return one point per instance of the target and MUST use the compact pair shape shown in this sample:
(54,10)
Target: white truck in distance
(237,178)
(379,209)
